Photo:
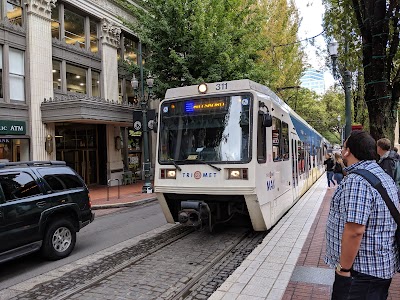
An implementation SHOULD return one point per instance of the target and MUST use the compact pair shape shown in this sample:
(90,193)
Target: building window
(130,50)
(56,75)
(1,72)
(55,22)
(76,79)
(95,84)
(120,94)
(130,93)
(78,28)
(74,28)
(94,40)
(14,11)
(17,75)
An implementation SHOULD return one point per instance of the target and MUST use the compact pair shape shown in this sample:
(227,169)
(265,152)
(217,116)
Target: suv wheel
(59,239)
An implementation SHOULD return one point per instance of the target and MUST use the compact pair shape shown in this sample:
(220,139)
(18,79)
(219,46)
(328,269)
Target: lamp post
(144,100)
(333,51)
(339,118)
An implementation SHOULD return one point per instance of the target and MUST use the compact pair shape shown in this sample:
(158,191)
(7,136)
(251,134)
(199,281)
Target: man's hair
(384,144)
(395,149)
(362,145)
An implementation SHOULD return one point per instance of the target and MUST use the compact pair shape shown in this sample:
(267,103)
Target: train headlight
(168,174)
(171,174)
(202,88)
(237,174)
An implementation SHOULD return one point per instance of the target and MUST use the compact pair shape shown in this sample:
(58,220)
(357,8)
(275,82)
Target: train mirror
(267,120)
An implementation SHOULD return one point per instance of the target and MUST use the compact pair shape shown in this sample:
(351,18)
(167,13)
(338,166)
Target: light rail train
(232,148)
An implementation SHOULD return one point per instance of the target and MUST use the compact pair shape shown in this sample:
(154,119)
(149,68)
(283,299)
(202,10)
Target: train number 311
(221,86)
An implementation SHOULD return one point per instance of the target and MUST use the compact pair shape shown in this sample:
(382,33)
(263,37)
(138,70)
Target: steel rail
(118,268)
(185,291)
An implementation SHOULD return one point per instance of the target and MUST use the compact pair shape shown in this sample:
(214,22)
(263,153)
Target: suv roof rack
(34,163)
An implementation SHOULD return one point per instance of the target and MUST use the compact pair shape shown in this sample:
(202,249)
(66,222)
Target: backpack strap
(377,184)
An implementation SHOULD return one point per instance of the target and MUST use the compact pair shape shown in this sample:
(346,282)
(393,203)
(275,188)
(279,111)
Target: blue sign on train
(270,184)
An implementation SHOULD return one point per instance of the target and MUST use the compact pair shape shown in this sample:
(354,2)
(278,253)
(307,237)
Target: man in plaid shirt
(360,231)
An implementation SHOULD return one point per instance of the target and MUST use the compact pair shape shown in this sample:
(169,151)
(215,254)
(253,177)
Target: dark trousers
(329,175)
(360,287)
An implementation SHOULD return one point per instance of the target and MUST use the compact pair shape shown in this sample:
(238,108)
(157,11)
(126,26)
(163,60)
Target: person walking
(360,231)
(388,157)
(338,169)
(329,169)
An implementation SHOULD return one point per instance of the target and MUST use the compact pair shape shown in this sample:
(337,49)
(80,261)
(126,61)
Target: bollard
(108,188)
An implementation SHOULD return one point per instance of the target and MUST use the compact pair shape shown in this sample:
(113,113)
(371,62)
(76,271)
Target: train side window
(276,137)
(285,141)
(261,140)
(314,153)
(301,158)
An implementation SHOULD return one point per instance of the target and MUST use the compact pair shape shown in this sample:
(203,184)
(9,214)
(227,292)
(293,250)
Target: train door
(295,170)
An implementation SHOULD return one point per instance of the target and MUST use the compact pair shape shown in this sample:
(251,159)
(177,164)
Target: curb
(128,204)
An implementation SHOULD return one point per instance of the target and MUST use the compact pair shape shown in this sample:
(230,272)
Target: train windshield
(208,129)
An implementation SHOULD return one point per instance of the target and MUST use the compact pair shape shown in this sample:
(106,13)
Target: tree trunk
(381,102)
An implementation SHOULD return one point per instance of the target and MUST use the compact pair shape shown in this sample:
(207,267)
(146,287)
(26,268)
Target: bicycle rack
(108,188)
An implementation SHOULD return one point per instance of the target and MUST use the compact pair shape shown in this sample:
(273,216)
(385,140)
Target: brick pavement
(130,194)
(312,256)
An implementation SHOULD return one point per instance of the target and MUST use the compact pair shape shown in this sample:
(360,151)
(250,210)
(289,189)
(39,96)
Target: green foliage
(321,112)
(370,29)
(193,41)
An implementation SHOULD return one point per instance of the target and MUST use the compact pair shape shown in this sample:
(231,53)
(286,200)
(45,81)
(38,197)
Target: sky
(311,13)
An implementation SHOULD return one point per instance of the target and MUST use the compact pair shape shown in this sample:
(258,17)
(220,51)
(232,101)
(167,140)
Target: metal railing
(108,187)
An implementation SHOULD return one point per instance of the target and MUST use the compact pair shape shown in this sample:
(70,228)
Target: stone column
(39,66)
(110,37)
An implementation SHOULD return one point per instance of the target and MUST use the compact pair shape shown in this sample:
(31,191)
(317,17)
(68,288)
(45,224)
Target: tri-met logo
(199,175)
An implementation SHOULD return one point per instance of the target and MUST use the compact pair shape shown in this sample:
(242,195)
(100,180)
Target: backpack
(338,168)
(396,176)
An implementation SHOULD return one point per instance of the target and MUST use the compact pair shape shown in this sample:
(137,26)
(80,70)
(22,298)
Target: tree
(370,28)
(320,112)
(192,41)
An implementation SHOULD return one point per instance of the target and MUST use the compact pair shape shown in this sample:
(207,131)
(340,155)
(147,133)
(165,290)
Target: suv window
(60,179)
(18,185)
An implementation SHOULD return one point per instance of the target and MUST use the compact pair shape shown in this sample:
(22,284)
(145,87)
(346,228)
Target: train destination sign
(191,106)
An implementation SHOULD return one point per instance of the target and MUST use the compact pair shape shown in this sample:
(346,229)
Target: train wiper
(175,164)
(206,163)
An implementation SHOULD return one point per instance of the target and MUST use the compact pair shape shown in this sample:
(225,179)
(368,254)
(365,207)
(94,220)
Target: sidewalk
(129,195)
(312,279)
(289,263)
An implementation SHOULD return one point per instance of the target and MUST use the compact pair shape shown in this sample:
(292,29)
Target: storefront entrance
(76,144)
(14,149)
(84,162)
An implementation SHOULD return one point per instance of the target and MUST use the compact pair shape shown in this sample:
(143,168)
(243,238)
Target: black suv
(42,206)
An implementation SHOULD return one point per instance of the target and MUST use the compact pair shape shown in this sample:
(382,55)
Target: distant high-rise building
(314,80)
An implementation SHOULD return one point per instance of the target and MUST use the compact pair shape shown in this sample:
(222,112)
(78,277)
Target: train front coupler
(194,214)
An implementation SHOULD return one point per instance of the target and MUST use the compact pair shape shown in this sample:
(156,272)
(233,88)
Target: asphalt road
(109,228)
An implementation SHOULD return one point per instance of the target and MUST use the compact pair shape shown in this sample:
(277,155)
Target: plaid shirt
(356,201)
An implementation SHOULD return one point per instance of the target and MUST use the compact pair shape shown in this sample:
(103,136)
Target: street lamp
(333,51)
(144,100)
(339,118)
